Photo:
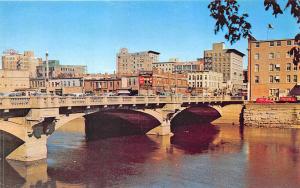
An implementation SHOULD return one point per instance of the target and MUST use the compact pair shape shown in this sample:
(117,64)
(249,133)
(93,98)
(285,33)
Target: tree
(227,16)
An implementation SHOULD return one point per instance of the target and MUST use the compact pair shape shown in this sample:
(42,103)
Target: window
(272,43)
(257,44)
(277,79)
(295,67)
(295,78)
(271,79)
(278,43)
(271,67)
(256,56)
(271,55)
(288,66)
(277,67)
(288,78)
(256,68)
(256,79)
(289,42)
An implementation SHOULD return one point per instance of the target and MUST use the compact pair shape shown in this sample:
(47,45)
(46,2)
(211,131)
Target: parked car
(287,99)
(16,94)
(264,100)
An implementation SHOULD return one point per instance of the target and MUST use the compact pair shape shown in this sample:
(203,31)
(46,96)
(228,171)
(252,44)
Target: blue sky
(91,33)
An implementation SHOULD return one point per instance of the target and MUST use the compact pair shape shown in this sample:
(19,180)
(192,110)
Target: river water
(198,155)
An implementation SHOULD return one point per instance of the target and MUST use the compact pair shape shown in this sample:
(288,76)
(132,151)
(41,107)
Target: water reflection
(198,155)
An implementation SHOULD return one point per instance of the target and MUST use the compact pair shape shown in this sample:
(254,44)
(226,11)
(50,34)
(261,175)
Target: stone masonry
(280,115)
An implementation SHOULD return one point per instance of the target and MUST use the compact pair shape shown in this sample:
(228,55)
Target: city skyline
(91,33)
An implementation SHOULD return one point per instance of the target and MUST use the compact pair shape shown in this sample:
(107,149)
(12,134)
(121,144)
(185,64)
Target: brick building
(102,85)
(160,82)
(271,70)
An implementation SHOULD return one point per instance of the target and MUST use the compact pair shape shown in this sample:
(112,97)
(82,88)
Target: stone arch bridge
(33,119)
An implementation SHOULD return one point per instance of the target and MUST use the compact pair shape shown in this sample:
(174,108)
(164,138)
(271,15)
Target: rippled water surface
(197,155)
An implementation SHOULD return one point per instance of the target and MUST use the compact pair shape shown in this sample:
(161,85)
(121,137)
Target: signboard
(141,80)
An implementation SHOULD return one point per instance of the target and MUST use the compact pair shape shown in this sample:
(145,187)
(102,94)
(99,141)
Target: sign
(141,80)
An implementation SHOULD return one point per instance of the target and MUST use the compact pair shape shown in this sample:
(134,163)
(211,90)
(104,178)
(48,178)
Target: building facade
(102,85)
(132,63)
(11,80)
(56,70)
(189,66)
(160,82)
(174,65)
(206,82)
(271,70)
(58,86)
(12,60)
(165,66)
(229,62)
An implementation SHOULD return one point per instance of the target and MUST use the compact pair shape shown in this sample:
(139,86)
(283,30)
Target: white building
(207,82)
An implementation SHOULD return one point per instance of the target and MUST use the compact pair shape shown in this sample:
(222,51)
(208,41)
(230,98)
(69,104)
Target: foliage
(226,14)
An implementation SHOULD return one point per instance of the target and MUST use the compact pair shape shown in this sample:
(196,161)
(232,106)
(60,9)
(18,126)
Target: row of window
(276,79)
(272,55)
(276,67)
(204,84)
(277,43)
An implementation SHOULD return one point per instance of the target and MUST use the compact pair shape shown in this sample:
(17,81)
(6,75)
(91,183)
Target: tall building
(229,62)
(56,70)
(271,71)
(12,60)
(132,63)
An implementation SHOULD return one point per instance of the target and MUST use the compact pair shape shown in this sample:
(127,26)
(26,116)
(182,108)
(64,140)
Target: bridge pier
(163,129)
(34,134)
(164,116)
(33,149)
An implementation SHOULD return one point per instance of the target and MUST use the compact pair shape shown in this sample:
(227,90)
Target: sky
(91,33)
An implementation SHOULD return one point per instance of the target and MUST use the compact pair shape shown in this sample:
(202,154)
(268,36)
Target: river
(198,155)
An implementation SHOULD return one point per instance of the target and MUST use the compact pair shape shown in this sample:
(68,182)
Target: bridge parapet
(40,102)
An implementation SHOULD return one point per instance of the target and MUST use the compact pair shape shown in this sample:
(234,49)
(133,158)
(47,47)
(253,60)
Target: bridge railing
(69,101)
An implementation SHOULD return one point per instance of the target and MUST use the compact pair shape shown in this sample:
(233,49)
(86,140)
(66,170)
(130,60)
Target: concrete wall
(230,114)
(272,115)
